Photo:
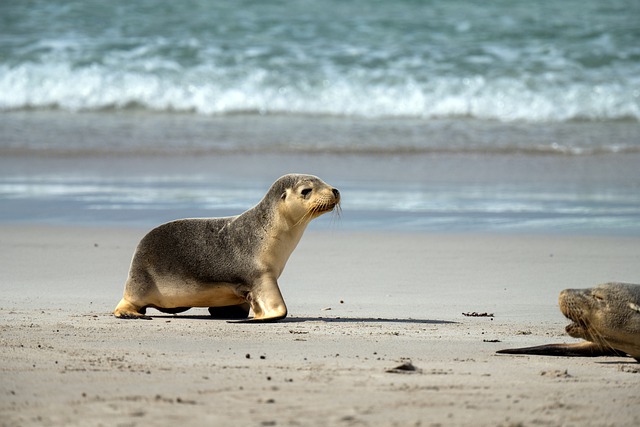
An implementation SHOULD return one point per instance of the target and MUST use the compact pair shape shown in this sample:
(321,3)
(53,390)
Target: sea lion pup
(228,264)
(607,316)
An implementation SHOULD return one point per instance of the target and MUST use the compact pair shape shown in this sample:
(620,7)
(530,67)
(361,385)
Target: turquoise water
(544,61)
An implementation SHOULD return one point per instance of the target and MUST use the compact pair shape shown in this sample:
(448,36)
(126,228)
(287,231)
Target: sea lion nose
(336,193)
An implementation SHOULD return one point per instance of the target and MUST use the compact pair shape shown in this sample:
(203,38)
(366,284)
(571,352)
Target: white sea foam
(209,91)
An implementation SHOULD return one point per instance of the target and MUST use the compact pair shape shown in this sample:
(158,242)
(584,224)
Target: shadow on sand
(312,319)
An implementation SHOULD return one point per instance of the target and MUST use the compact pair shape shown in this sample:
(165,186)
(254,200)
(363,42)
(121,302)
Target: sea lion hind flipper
(133,316)
(126,310)
(581,349)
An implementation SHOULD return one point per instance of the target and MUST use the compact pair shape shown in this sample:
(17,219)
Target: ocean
(454,116)
(499,60)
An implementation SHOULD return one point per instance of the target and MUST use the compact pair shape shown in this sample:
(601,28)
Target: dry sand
(359,305)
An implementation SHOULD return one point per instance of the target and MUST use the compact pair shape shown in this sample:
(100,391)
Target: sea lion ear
(283,196)
(634,307)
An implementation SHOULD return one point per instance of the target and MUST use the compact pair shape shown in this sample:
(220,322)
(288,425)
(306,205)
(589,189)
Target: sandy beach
(360,304)
(487,158)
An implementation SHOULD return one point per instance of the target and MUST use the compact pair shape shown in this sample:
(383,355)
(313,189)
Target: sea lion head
(304,197)
(607,314)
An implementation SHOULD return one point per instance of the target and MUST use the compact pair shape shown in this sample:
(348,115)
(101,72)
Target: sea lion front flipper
(266,301)
(581,349)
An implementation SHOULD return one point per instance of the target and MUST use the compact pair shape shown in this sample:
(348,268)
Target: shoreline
(443,193)
(399,175)
(122,133)
(360,303)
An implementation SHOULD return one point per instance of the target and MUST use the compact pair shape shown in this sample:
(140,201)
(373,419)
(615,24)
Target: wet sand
(135,168)
(360,304)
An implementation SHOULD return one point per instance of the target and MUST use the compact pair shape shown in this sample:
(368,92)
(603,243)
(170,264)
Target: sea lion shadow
(364,320)
(313,319)
(618,362)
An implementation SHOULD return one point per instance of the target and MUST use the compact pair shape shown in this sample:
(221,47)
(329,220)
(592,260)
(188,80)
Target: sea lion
(606,316)
(229,264)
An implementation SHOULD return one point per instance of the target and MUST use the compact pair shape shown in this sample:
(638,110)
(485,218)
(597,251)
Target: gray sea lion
(606,316)
(228,264)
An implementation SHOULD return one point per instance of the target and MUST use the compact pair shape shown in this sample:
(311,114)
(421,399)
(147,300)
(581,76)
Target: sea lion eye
(305,192)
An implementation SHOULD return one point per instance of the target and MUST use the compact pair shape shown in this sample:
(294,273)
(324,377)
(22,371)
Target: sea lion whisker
(321,206)
(307,215)
(594,335)
(587,331)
